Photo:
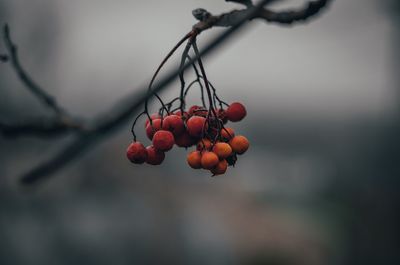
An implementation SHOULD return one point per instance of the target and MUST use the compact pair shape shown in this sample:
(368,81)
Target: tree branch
(35,89)
(40,128)
(207,20)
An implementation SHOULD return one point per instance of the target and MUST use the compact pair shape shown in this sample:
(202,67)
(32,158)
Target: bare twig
(113,119)
(181,74)
(25,78)
(62,122)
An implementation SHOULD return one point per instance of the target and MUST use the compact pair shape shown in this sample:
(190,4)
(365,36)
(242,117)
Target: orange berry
(227,133)
(195,125)
(204,144)
(151,129)
(209,160)
(220,168)
(222,150)
(174,124)
(136,153)
(154,156)
(239,144)
(236,112)
(163,140)
(194,159)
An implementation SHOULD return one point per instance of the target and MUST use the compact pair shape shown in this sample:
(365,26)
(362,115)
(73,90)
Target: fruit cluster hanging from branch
(201,125)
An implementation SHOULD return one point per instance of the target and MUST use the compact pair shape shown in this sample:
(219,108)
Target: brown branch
(114,118)
(207,20)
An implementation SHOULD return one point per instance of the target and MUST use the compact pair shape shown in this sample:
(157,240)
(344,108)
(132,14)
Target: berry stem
(181,77)
(134,123)
(210,100)
(187,36)
(199,81)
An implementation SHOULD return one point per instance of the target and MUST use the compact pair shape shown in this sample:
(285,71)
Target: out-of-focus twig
(25,78)
(39,128)
(60,124)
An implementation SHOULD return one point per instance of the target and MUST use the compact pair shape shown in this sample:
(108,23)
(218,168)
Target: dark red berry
(174,124)
(163,140)
(154,156)
(236,112)
(152,128)
(136,153)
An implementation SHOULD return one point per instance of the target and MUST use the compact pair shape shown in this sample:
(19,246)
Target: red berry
(174,124)
(152,117)
(185,115)
(136,153)
(151,129)
(236,112)
(154,156)
(204,145)
(192,109)
(185,140)
(197,111)
(195,126)
(163,140)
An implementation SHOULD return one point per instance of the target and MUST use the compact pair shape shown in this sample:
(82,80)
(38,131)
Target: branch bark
(207,20)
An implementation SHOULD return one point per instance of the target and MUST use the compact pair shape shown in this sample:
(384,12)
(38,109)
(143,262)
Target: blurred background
(317,186)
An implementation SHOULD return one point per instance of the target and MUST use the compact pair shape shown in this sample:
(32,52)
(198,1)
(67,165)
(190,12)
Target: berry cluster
(216,145)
